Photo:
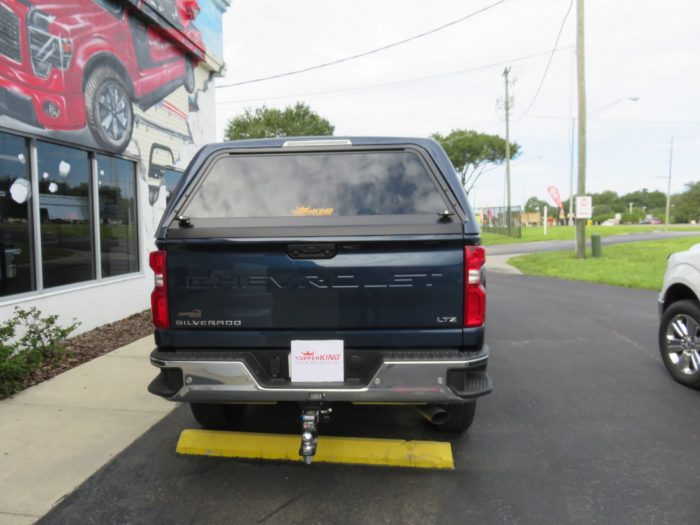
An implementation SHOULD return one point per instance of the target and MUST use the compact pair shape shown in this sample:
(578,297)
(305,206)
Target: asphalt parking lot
(584,426)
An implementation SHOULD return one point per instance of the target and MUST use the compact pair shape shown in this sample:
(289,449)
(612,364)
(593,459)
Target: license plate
(317,361)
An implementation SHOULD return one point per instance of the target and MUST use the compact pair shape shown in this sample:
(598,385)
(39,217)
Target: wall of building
(102,104)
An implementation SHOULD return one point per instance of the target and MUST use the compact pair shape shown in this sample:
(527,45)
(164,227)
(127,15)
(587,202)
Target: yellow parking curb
(331,449)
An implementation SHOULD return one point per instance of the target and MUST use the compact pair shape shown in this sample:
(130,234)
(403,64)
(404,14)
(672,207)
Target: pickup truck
(320,270)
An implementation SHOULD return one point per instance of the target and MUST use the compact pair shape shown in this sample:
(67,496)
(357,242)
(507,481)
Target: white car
(679,310)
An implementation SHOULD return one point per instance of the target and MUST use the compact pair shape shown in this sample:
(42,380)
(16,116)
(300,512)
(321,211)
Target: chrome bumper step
(402,377)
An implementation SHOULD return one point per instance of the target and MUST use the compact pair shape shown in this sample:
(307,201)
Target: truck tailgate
(327,284)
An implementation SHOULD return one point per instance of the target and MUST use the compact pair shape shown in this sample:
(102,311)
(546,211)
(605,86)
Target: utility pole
(506,72)
(571,175)
(668,192)
(581,77)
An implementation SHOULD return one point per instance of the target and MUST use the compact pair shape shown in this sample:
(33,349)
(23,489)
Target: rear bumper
(402,377)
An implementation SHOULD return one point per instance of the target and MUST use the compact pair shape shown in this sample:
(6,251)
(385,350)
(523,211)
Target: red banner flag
(554,193)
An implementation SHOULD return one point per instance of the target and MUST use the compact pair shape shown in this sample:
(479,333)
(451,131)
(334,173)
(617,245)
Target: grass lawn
(564,233)
(633,265)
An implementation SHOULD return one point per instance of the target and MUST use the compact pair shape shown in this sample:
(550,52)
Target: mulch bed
(89,345)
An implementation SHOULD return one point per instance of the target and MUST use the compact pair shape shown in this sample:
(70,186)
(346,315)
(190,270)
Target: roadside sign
(584,207)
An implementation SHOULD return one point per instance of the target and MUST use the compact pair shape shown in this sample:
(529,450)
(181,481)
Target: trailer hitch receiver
(310,419)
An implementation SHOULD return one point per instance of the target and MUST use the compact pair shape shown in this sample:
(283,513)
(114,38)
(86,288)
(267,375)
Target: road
(584,426)
(551,246)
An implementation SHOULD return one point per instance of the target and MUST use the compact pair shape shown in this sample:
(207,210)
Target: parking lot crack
(283,506)
(631,342)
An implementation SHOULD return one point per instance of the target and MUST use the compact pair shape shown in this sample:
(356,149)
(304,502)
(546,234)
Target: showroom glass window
(16,259)
(65,214)
(118,226)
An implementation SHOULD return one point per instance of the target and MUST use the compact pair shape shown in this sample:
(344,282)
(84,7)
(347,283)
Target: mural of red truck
(75,64)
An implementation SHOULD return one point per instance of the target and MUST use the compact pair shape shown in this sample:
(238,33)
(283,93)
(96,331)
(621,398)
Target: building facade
(102,105)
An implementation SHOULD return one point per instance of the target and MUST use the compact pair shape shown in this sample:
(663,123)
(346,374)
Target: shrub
(40,344)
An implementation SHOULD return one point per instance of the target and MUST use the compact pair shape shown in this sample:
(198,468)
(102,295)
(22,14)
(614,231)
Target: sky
(452,79)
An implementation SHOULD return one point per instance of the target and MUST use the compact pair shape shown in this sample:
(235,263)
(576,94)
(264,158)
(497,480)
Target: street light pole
(581,77)
(506,72)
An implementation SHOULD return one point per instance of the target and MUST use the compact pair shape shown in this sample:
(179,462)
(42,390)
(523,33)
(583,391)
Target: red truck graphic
(76,63)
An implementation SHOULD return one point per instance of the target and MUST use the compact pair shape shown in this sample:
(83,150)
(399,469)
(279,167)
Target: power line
(549,62)
(396,83)
(366,53)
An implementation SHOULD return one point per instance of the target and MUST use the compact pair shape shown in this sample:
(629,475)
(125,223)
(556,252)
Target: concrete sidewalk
(499,263)
(55,435)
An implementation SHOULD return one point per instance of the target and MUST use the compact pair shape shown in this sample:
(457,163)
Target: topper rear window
(342,184)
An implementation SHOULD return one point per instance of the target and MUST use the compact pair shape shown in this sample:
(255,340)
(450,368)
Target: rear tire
(213,416)
(460,417)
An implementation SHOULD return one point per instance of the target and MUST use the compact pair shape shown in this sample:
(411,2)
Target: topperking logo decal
(313,357)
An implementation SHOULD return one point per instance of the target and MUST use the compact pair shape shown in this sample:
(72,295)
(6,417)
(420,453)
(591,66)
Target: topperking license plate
(317,361)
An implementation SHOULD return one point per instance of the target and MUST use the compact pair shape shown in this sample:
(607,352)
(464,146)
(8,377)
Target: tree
(471,151)
(293,121)
(609,198)
(645,199)
(534,204)
(686,206)
(602,212)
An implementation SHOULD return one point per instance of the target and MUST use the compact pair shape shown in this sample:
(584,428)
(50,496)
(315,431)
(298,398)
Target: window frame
(35,224)
(96,203)
(30,220)
(39,268)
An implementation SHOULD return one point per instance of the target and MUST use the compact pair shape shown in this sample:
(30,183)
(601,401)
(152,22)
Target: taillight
(159,297)
(474,291)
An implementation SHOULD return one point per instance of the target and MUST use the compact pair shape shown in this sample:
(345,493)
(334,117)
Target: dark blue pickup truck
(320,270)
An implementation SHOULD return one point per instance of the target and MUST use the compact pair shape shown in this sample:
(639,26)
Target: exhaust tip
(436,415)
(440,418)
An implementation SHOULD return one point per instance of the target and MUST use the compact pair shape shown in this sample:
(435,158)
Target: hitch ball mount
(310,419)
